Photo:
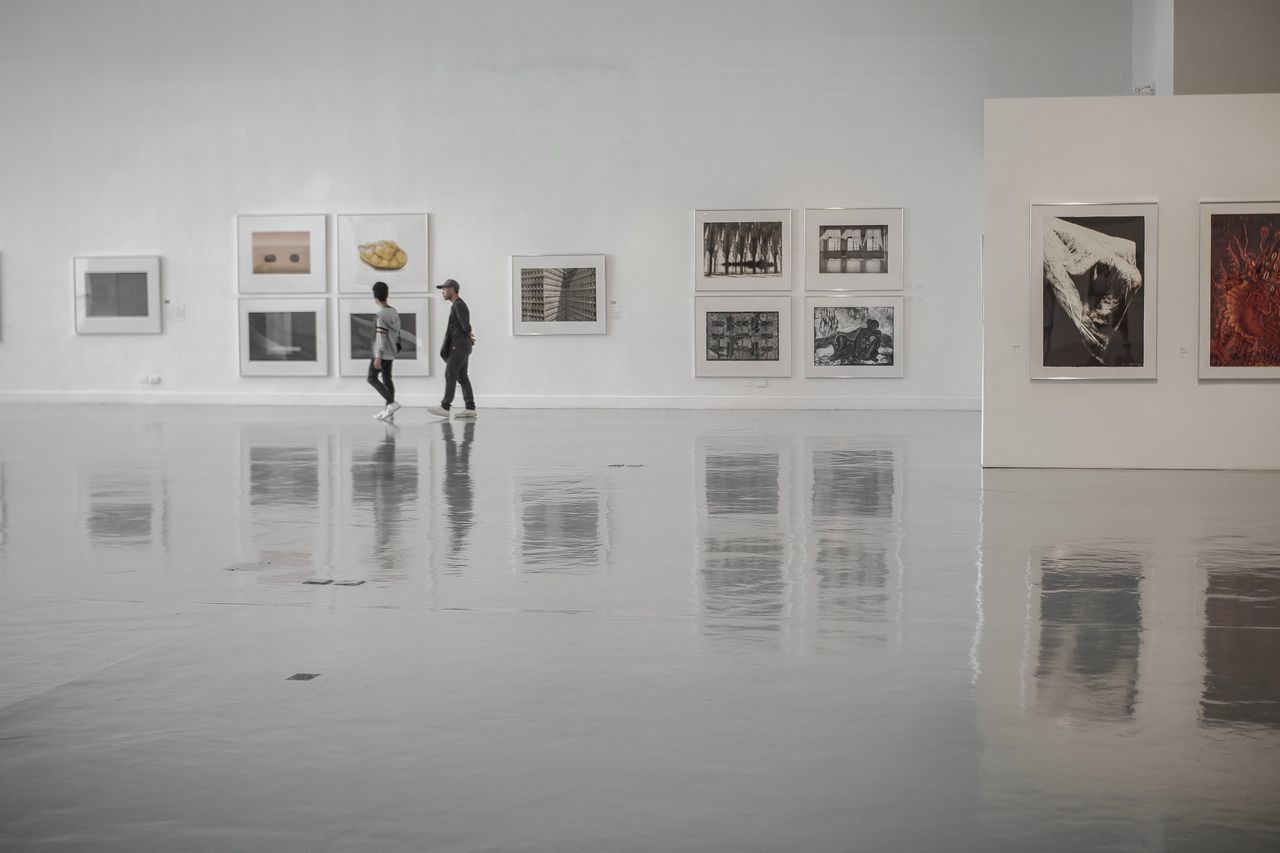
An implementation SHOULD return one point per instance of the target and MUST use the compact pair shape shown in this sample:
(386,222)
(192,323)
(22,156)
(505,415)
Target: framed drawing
(557,295)
(853,248)
(1093,291)
(117,296)
(390,247)
(1240,290)
(742,250)
(356,330)
(281,254)
(854,336)
(742,336)
(284,337)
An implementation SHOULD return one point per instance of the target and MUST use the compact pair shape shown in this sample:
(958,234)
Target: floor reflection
(384,482)
(286,498)
(119,509)
(562,525)
(458,490)
(1241,637)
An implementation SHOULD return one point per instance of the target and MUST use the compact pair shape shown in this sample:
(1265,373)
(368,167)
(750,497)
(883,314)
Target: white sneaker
(381,416)
(438,411)
(465,414)
(392,408)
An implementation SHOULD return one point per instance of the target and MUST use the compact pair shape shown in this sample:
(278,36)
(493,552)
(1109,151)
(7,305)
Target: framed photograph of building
(281,254)
(742,336)
(853,248)
(1093,291)
(854,336)
(1240,290)
(117,296)
(284,337)
(557,295)
(390,247)
(356,334)
(742,250)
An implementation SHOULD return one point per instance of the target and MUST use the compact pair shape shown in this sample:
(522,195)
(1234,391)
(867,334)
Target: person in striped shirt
(386,343)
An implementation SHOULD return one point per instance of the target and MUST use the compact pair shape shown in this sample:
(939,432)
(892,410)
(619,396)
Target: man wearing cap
(458,341)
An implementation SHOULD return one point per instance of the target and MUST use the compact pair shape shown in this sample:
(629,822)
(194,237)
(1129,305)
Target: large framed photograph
(284,337)
(390,247)
(1093,291)
(1240,290)
(356,323)
(853,248)
(854,336)
(742,250)
(557,295)
(117,296)
(742,336)
(281,254)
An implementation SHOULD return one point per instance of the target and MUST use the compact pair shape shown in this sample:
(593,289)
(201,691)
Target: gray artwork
(853,335)
(743,336)
(558,295)
(853,249)
(282,336)
(116,294)
(742,248)
(362,332)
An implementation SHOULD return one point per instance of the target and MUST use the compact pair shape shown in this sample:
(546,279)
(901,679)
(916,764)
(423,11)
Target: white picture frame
(1236,244)
(854,249)
(719,266)
(281,255)
(763,348)
(558,295)
(840,337)
(117,296)
(284,337)
(370,245)
(355,336)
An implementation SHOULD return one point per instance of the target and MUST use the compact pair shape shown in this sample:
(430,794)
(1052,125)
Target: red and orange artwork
(1244,290)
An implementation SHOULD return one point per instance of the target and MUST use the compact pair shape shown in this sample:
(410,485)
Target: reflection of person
(457,487)
(386,342)
(456,352)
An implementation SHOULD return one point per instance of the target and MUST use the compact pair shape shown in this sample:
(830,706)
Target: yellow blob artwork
(383,255)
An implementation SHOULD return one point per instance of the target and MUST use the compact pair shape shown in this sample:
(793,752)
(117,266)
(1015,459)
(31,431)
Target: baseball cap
(448,283)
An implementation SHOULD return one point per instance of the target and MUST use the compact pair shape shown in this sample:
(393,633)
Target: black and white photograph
(742,336)
(283,337)
(742,250)
(1093,296)
(748,336)
(282,255)
(117,296)
(853,248)
(356,331)
(558,294)
(854,336)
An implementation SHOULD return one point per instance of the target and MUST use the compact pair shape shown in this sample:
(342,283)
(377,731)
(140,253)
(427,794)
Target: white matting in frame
(356,331)
(742,250)
(1093,291)
(557,295)
(388,247)
(284,337)
(281,255)
(853,248)
(854,336)
(742,336)
(1240,290)
(117,296)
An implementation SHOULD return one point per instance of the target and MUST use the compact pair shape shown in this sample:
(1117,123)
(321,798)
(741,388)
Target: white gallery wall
(1178,152)
(139,127)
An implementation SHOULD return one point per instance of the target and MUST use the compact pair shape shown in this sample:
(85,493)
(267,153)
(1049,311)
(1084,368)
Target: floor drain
(318,581)
(348,583)
(303,676)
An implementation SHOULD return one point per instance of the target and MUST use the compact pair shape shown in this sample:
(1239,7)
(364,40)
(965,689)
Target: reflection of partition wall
(356,330)
(287,475)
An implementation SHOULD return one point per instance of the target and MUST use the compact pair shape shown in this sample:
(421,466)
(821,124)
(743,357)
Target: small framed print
(281,254)
(557,295)
(388,247)
(284,337)
(854,336)
(1240,290)
(742,336)
(117,296)
(742,250)
(853,248)
(356,323)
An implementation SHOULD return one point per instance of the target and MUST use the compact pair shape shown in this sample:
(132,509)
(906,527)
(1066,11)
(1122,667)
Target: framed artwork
(854,336)
(390,247)
(281,254)
(853,248)
(284,337)
(742,336)
(1240,290)
(1093,291)
(557,295)
(117,296)
(356,331)
(742,250)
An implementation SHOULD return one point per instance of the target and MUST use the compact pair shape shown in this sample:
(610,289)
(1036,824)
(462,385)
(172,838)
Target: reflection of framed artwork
(356,330)
(281,254)
(1093,291)
(855,248)
(854,336)
(390,247)
(563,524)
(117,296)
(743,336)
(742,250)
(284,337)
(1240,290)
(557,295)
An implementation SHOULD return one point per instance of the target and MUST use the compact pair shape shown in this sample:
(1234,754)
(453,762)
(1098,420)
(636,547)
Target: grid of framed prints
(1240,290)
(557,295)
(854,336)
(388,247)
(356,321)
(117,296)
(853,249)
(742,336)
(284,337)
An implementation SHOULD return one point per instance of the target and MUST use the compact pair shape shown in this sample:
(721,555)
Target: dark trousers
(455,373)
(386,387)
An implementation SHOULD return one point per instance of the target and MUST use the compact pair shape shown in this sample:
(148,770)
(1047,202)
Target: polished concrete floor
(618,631)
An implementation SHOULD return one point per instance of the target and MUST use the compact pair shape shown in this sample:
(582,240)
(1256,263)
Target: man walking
(458,341)
(386,343)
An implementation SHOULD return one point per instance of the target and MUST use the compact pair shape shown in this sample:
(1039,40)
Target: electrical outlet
(762,383)
(142,380)
(153,380)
